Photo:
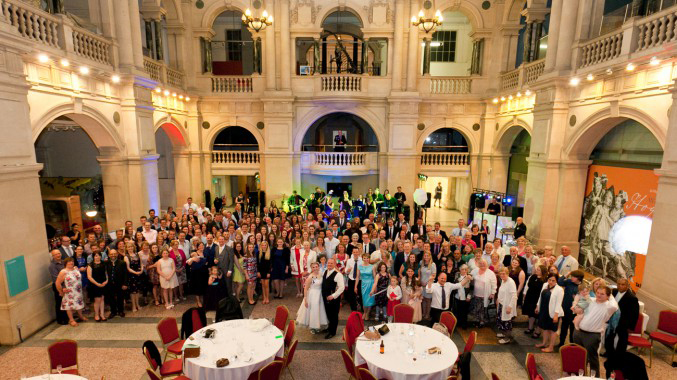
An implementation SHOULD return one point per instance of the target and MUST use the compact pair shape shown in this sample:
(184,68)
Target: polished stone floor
(113,349)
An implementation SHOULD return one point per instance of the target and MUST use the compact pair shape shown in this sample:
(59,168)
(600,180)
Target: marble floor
(113,349)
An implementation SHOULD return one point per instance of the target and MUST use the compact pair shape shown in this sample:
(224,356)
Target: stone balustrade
(444,159)
(451,85)
(601,49)
(232,84)
(341,83)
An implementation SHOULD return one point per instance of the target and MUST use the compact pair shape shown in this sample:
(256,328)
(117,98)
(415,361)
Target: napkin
(258,325)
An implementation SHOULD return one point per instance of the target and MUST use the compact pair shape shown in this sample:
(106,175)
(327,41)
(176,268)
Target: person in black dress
(263,268)
(198,273)
(216,289)
(477,237)
(280,256)
(532,291)
(98,279)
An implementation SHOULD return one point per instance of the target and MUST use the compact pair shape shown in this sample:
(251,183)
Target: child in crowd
(394,296)
(415,300)
(216,289)
(581,302)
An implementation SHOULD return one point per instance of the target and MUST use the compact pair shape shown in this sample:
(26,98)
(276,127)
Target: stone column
(553,34)
(398,47)
(270,58)
(116,194)
(412,53)
(135,27)
(285,46)
(402,154)
(658,286)
(182,176)
(566,35)
(500,165)
(451,203)
(123,33)
(527,38)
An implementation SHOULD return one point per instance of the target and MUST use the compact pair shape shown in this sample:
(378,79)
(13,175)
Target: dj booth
(499,226)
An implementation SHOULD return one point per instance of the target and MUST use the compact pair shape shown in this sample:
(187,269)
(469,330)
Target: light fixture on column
(115,78)
(64,62)
(256,24)
(166,92)
(84,70)
(654,61)
(630,67)
(43,58)
(574,81)
(188,98)
(495,100)
(158,90)
(427,24)
(527,92)
(503,98)
(590,77)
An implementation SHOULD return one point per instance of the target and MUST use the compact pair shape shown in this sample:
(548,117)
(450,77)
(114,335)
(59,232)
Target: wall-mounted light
(158,90)
(574,81)
(495,100)
(64,62)
(43,58)
(590,77)
(188,98)
(115,78)
(630,67)
(91,213)
(654,61)
(527,92)
(84,70)
(166,92)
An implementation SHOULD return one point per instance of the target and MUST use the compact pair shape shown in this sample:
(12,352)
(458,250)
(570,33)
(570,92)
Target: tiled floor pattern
(113,349)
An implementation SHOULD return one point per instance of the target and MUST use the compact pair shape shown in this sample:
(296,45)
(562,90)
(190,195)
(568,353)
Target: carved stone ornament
(380,12)
(304,10)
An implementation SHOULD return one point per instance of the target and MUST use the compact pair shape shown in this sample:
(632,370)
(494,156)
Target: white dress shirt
(352,265)
(150,236)
(186,206)
(330,246)
(566,265)
(597,315)
(436,290)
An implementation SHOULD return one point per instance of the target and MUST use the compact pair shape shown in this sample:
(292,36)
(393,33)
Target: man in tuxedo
(436,249)
(391,230)
(225,260)
(210,250)
(624,319)
(142,221)
(513,254)
(116,269)
(401,222)
(332,287)
(419,228)
(237,215)
(438,231)
(367,246)
(351,272)
(341,221)
(66,248)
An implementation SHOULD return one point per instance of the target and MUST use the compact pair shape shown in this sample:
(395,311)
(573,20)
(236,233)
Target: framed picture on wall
(304,70)
(339,141)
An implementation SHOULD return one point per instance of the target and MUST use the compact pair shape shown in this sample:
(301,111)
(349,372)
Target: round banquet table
(406,353)
(246,350)
(56,376)
(580,378)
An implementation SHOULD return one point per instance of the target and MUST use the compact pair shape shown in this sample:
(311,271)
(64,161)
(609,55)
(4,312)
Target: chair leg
(672,360)
(290,374)
(650,356)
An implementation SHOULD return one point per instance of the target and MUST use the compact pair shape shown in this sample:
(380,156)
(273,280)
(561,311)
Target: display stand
(496,224)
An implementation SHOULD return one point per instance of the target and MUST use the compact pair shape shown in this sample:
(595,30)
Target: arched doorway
(518,168)
(236,159)
(70,181)
(445,163)
(351,166)
(232,50)
(167,139)
(619,201)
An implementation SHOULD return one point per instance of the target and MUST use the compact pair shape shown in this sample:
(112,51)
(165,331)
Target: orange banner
(616,223)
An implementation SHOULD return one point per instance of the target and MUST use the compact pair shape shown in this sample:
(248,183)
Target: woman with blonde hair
(263,268)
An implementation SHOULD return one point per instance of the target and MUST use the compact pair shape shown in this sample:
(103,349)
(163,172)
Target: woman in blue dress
(280,256)
(366,274)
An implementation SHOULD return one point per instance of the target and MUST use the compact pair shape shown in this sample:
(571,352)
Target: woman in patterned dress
(69,286)
(179,258)
(153,275)
(251,271)
(134,278)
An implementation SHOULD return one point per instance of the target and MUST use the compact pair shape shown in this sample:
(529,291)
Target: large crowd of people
(367,262)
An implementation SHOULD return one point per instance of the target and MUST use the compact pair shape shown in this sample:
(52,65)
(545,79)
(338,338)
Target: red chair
(169,368)
(354,327)
(574,358)
(494,376)
(281,316)
(531,368)
(448,319)
(635,339)
(349,363)
(272,371)
(154,376)
(169,334)
(63,353)
(667,325)
(286,361)
(403,313)
(289,334)
(470,344)
(197,322)
(365,374)
(619,375)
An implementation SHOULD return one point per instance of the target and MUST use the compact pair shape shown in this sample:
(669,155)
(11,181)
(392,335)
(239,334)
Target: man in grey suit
(224,260)
(67,249)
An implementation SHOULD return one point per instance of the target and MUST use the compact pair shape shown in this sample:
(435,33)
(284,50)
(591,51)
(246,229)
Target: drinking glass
(58,369)
(581,372)
(593,373)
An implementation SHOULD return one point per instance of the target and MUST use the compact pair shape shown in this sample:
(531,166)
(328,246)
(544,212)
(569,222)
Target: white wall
(458,22)
(67,154)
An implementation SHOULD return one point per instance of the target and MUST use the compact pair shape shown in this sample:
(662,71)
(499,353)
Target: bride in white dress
(311,312)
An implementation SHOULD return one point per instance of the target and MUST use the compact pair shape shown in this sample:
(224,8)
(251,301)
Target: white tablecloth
(56,377)
(579,378)
(247,351)
(397,363)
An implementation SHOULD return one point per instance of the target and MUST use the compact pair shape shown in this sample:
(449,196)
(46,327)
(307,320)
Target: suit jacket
(399,224)
(443,234)
(523,262)
(117,273)
(629,307)
(370,248)
(63,252)
(420,230)
(393,234)
(210,253)
(226,258)
(341,226)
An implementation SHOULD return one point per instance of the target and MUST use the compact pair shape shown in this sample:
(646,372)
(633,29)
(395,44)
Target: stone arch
(513,11)
(98,128)
(213,11)
(174,131)
(309,120)
(468,9)
(211,136)
(357,10)
(596,126)
(173,10)
(466,132)
(507,133)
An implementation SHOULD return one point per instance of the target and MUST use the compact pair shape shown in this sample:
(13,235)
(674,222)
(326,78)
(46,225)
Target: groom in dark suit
(332,287)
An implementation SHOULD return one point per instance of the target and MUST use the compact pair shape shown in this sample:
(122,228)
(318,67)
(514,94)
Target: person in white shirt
(189,204)
(332,288)
(488,249)
(566,263)
(484,282)
(507,306)
(593,324)
(149,234)
(441,292)
(460,230)
(548,318)
(352,263)
(330,244)
(200,210)
(377,255)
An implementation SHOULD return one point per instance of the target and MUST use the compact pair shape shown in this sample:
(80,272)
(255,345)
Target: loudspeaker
(406,210)
(427,202)
(208,199)
(262,198)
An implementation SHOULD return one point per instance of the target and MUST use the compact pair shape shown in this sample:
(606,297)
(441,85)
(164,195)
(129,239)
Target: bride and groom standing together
(322,301)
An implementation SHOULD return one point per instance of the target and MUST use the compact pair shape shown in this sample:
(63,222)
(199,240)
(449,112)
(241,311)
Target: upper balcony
(339,163)
(159,71)
(522,76)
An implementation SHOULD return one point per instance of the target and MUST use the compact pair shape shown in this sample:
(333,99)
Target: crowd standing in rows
(373,263)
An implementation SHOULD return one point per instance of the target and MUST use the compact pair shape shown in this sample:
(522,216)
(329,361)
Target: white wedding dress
(314,315)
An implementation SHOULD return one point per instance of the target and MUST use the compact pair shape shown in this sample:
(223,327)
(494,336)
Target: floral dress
(72,300)
(250,268)
(180,268)
(382,297)
(134,280)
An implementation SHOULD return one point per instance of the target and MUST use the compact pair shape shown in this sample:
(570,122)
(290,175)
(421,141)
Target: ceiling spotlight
(158,90)
(527,92)
(503,98)
(84,70)
(180,96)
(115,78)
(174,94)
(519,94)
(166,92)
(188,98)
(495,100)
(654,61)
(574,81)
(510,97)
(630,67)
(91,213)
(590,77)
(609,71)
(64,62)
(43,58)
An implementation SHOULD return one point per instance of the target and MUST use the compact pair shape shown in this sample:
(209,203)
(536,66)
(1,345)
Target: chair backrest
(281,315)
(494,376)
(168,330)
(349,363)
(667,321)
(638,325)
(348,341)
(152,354)
(574,358)
(64,353)
(271,371)
(289,334)
(365,374)
(470,344)
(197,319)
(403,313)
(152,375)
(619,374)
(449,321)
(531,367)
(290,354)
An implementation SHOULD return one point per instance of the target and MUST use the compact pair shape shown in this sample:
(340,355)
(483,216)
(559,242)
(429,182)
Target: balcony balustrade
(444,162)
(339,163)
